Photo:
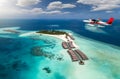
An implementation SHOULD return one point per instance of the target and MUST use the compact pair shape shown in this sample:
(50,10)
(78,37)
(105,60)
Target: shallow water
(17,62)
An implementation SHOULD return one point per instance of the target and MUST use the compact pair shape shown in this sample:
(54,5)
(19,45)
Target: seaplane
(98,22)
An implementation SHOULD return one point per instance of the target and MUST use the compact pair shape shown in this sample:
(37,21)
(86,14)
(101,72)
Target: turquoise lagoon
(17,61)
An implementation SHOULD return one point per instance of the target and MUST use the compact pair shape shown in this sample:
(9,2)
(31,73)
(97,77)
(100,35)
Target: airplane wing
(92,25)
(88,21)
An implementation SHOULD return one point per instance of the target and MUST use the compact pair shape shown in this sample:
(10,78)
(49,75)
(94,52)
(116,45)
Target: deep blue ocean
(77,26)
(16,62)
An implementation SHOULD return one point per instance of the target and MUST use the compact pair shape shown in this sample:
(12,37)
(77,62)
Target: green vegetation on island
(52,32)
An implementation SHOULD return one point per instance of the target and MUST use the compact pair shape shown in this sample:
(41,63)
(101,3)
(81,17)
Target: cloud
(39,11)
(24,3)
(2,2)
(59,5)
(98,5)
(7,3)
(56,12)
(9,9)
(32,11)
(109,11)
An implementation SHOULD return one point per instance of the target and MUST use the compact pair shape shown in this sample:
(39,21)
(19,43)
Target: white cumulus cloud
(59,5)
(101,4)
(9,9)
(56,12)
(32,11)
(23,3)
(38,11)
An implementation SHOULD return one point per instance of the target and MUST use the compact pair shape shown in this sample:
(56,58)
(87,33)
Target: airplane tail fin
(110,21)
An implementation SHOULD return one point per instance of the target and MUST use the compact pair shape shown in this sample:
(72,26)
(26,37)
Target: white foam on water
(6,28)
(96,29)
(27,34)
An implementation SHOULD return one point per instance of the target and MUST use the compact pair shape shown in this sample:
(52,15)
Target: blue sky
(59,9)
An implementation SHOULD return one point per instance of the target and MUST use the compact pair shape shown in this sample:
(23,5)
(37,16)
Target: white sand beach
(62,37)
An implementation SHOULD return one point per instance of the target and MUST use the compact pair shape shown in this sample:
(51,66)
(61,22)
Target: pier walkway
(75,54)
(65,45)
(81,54)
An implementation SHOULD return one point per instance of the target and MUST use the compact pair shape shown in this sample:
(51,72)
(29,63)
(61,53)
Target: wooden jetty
(73,55)
(65,45)
(81,54)
(70,43)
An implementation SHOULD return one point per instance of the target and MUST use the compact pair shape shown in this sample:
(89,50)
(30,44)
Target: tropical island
(52,32)
(68,43)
